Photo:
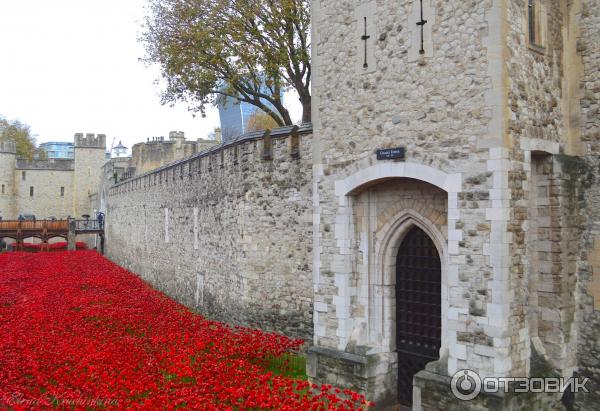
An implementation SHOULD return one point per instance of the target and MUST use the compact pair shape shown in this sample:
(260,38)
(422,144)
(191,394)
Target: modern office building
(58,149)
(235,115)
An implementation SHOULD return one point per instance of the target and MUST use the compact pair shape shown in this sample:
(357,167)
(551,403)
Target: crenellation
(8,147)
(55,188)
(90,140)
(248,147)
(50,164)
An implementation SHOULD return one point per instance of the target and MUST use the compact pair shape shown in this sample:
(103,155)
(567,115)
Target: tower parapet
(176,135)
(8,158)
(90,140)
(9,147)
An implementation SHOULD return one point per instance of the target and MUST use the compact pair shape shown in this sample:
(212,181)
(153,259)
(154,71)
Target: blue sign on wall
(398,153)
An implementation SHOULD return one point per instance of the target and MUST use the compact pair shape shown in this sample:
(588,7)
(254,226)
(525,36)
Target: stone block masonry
(502,126)
(226,232)
(588,296)
(54,187)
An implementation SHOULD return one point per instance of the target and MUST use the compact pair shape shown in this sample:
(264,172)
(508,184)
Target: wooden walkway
(45,230)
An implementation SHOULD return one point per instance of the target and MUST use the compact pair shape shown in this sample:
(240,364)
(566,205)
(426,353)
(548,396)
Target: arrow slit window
(537,23)
(366,33)
(421,20)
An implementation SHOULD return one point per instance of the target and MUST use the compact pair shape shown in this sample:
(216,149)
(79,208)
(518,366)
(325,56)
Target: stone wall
(7,175)
(113,171)
(445,108)
(61,187)
(475,111)
(589,48)
(226,232)
(536,73)
(554,101)
(158,152)
(536,126)
(89,159)
(588,295)
(47,200)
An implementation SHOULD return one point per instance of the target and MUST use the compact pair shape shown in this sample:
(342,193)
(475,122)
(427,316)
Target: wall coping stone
(48,165)
(342,355)
(281,132)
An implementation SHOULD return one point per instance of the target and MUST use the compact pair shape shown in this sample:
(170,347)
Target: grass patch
(288,365)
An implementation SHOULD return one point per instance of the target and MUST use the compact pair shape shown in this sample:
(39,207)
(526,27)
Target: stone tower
(89,159)
(8,152)
(452,230)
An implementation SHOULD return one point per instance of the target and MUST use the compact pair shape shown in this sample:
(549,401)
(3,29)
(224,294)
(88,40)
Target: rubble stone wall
(228,233)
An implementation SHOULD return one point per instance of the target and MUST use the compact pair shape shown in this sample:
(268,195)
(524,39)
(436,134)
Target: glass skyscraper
(58,150)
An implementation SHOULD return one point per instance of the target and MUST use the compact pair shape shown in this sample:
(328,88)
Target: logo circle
(466,385)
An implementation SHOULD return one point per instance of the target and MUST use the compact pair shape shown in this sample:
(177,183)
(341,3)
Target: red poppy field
(78,332)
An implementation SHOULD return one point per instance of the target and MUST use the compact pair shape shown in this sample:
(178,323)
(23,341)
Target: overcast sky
(71,66)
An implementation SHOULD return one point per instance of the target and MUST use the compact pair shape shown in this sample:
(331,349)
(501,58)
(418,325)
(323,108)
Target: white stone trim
(537,144)
(414,16)
(382,276)
(451,183)
(199,295)
(366,11)
(497,251)
(196,229)
(377,298)
(167,240)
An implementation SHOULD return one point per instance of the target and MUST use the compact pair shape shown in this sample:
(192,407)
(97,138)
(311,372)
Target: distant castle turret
(8,147)
(157,151)
(90,140)
(53,187)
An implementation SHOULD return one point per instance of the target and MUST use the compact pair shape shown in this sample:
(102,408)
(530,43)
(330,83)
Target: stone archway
(381,252)
(383,215)
(376,208)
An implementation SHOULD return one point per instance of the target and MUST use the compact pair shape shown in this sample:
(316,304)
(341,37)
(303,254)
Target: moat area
(79,332)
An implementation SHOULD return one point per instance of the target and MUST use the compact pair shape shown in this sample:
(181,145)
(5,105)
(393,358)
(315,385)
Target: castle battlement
(176,135)
(56,164)
(222,156)
(8,147)
(90,140)
(51,186)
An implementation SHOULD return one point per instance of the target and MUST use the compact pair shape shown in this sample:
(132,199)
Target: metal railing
(89,225)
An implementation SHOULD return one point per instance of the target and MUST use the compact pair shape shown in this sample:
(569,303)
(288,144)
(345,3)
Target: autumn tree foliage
(250,50)
(21,134)
(260,121)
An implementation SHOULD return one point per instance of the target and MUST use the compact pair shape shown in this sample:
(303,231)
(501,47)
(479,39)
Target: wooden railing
(41,226)
(45,230)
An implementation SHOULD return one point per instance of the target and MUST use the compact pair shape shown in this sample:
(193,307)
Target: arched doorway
(418,308)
